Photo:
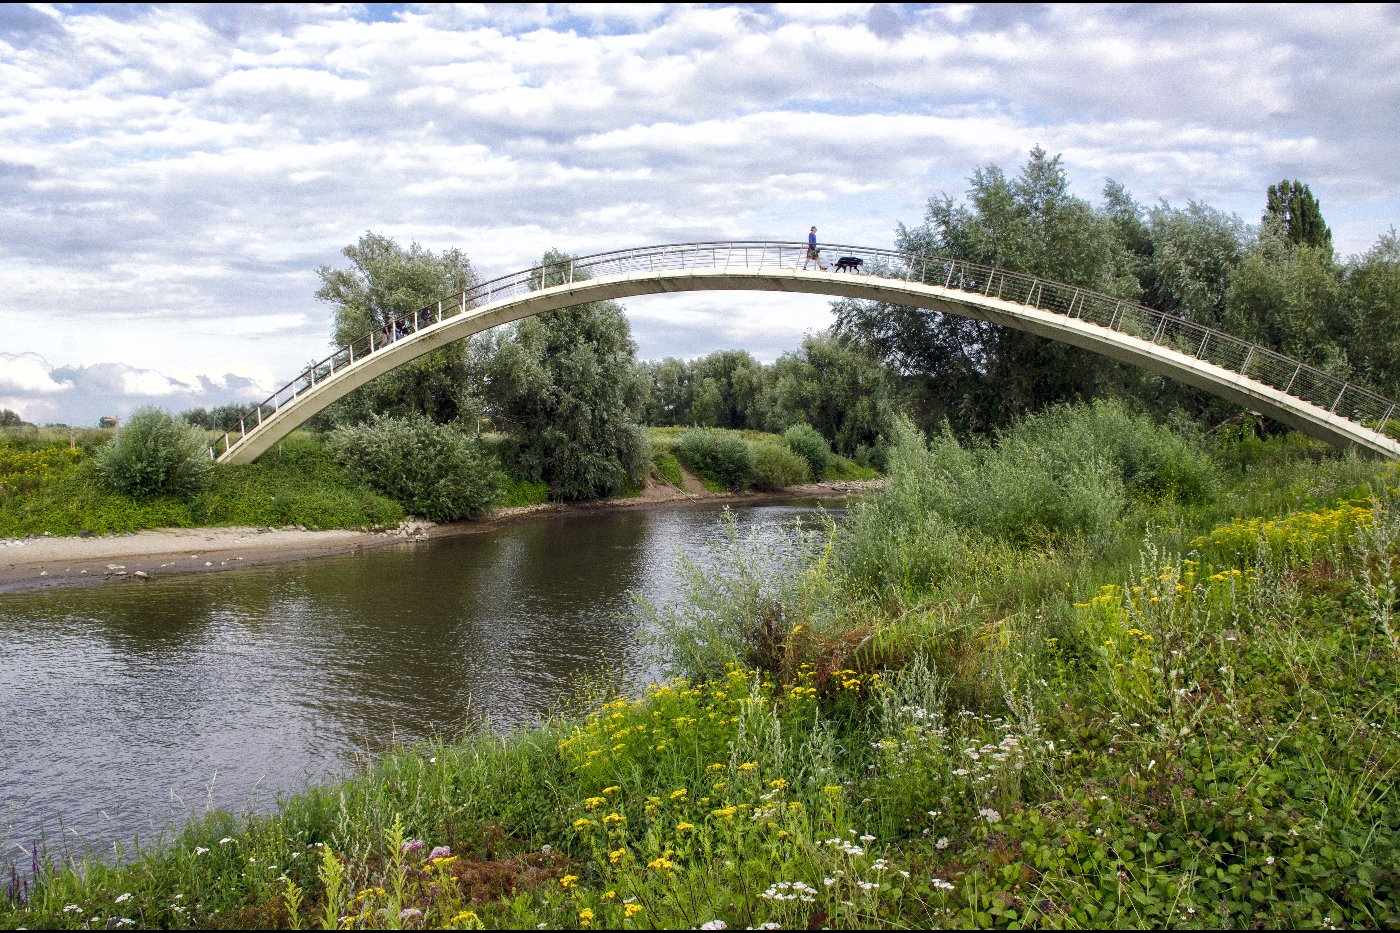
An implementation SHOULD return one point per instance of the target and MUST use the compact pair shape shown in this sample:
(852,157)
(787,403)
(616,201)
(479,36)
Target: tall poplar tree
(1292,204)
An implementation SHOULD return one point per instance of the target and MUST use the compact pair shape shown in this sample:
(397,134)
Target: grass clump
(668,468)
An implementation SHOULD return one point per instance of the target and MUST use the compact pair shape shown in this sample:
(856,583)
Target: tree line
(1277,283)
(570,395)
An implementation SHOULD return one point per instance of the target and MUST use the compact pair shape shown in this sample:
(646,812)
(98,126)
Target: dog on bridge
(849,264)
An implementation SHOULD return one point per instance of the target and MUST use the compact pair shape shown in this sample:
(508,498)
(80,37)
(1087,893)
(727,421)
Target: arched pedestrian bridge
(1252,376)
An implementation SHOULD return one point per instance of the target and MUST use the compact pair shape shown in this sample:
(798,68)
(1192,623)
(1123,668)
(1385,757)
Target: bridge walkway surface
(1256,378)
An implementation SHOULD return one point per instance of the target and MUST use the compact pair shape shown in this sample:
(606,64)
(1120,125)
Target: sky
(171,177)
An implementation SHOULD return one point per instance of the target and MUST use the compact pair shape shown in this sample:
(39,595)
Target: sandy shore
(133,558)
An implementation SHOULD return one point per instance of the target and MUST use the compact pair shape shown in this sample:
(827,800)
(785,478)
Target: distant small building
(106,422)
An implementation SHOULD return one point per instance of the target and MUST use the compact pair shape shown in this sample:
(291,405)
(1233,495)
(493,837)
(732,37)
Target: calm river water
(123,708)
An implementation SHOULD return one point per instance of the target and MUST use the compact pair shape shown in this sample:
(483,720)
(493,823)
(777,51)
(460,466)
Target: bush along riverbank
(1097,674)
(366,476)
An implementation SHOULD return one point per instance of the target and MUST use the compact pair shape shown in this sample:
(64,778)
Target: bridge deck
(1308,399)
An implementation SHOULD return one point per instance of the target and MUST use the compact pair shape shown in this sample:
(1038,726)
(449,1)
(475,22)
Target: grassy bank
(46,487)
(48,484)
(1099,674)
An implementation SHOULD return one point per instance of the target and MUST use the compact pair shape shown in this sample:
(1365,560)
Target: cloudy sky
(172,176)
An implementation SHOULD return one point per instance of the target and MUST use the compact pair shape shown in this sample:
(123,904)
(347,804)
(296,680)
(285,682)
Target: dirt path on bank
(135,557)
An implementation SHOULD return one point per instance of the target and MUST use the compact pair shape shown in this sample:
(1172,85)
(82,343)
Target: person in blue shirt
(812,252)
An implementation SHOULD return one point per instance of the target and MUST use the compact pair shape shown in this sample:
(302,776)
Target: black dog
(848,264)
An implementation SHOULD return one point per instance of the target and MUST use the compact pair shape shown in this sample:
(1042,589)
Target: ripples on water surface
(122,707)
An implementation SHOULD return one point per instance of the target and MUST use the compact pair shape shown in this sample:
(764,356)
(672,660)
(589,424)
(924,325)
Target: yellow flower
(661,864)
(586,915)
(568,881)
(631,910)
(611,790)
(617,855)
(678,794)
(613,819)
(581,824)
(748,766)
(832,789)
(684,827)
(779,784)
(594,803)
(715,768)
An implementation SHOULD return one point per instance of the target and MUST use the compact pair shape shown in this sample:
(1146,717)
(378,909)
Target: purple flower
(440,852)
(410,913)
(411,846)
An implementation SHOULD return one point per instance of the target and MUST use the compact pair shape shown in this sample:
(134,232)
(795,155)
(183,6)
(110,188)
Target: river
(125,708)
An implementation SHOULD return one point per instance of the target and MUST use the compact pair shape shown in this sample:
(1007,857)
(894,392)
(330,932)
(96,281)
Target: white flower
(990,815)
(1269,860)
(225,841)
(123,898)
(713,925)
(71,908)
(942,843)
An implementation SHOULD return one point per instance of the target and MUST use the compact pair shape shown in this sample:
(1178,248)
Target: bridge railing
(1231,353)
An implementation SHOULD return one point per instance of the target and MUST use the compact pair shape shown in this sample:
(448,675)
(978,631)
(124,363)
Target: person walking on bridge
(812,252)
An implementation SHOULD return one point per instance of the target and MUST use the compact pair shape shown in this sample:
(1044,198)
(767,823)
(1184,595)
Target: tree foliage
(1373,289)
(385,281)
(982,374)
(1277,284)
(1292,205)
(1289,298)
(564,386)
(836,387)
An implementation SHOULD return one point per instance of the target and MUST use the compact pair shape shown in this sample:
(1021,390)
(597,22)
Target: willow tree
(564,385)
(385,281)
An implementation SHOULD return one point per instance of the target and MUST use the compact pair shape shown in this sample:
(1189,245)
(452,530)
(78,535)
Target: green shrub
(154,454)
(807,442)
(1152,460)
(721,457)
(434,470)
(776,467)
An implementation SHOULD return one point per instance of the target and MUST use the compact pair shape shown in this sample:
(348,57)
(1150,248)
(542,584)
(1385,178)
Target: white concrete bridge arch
(1256,378)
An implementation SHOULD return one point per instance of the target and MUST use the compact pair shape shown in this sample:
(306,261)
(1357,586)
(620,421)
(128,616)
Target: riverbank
(994,699)
(135,557)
